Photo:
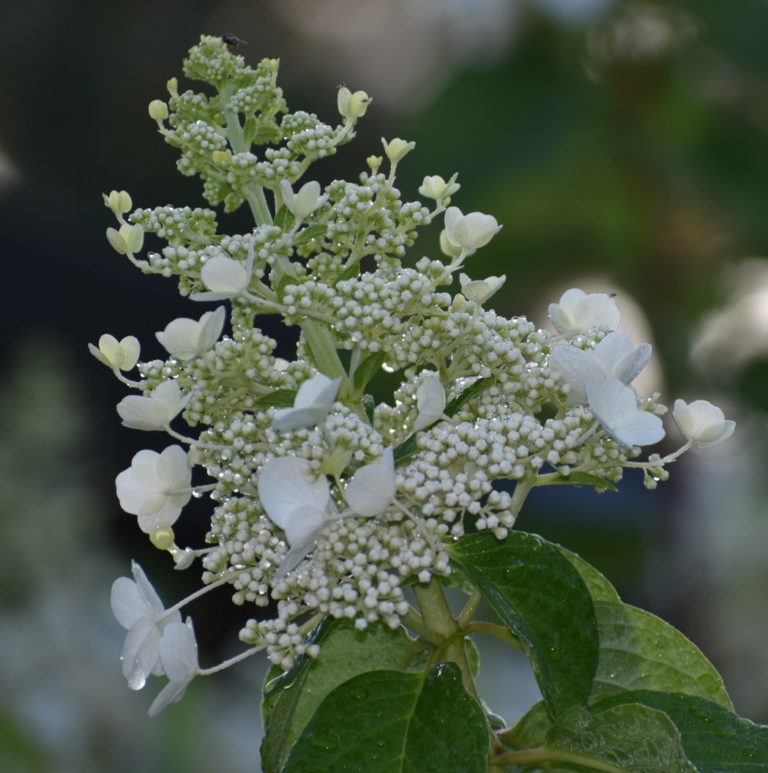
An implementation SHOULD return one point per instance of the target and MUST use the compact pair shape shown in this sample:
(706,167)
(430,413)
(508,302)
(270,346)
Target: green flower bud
(173,87)
(118,201)
(162,539)
(132,236)
(352,106)
(374,162)
(434,187)
(116,241)
(117,355)
(158,110)
(397,149)
(448,247)
(336,462)
(222,157)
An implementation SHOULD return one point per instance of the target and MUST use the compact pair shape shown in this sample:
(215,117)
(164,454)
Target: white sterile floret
(156,487)
(303,203)
(294,501)
(140,611)
(118,355)
(311,404)
(225,278)
(615,406)
(469,231)
(186,338)
(154,412)
(178,657)
(579,312)
(614,357)
(702,423)
(434,187)
(480,290)
(373,486)
(430,401)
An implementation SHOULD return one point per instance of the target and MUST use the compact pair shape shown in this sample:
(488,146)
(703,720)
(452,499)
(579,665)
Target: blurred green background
(623,145)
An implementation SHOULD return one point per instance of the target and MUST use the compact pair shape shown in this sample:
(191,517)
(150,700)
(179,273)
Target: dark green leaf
(531,730)
(390,721)
(598,584)
(291,699)
(279,397)
(631,737)
(369,406)
(473,390)
(284,218)
(715,739)
(542,599)
(581,479)
(366,370)
(310,232)
(639,651)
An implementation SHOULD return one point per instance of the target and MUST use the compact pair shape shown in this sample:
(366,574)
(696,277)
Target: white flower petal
(186,338)
(373,486)
(311,405)
(156,487)
(579,312)
(286,484)
(430,401)
(127,602)
(178,651)
(576,367)
(470,231)
(615,406)
(703,423)
(224,275)
(140,652)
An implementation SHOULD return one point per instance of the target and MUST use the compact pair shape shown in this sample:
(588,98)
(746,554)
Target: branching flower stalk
(328,497)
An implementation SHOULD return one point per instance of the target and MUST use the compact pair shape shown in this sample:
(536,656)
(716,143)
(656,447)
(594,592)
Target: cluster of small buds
(326,501)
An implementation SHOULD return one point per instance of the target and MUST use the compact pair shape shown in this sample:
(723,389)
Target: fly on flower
(232,40)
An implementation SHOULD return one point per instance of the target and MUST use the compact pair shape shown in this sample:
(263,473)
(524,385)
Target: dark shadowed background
(623,145)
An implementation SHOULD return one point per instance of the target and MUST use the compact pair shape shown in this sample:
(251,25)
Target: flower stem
(439,619)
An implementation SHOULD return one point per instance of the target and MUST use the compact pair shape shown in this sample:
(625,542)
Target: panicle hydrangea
(368,494)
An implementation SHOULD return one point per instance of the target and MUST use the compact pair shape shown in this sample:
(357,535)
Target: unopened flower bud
(162,539)
(448,247)
(480,290)
(303,203)
(397,149)
(221,157)
(158,110)
(352,106)
(173,87)
(118,201)
(335,462)
(116,241)
(374,162)
(117,355)
(434,187)
(702,423)
(132,236)
(471,231)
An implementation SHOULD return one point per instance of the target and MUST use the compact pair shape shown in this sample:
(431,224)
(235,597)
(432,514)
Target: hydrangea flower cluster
(328,497)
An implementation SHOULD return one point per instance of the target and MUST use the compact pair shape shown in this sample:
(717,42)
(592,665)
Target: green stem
(469,610)
(543,755)
(415,622)
(439,619)
(499,631)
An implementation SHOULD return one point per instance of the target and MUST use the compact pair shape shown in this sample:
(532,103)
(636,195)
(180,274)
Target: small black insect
(232,40)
